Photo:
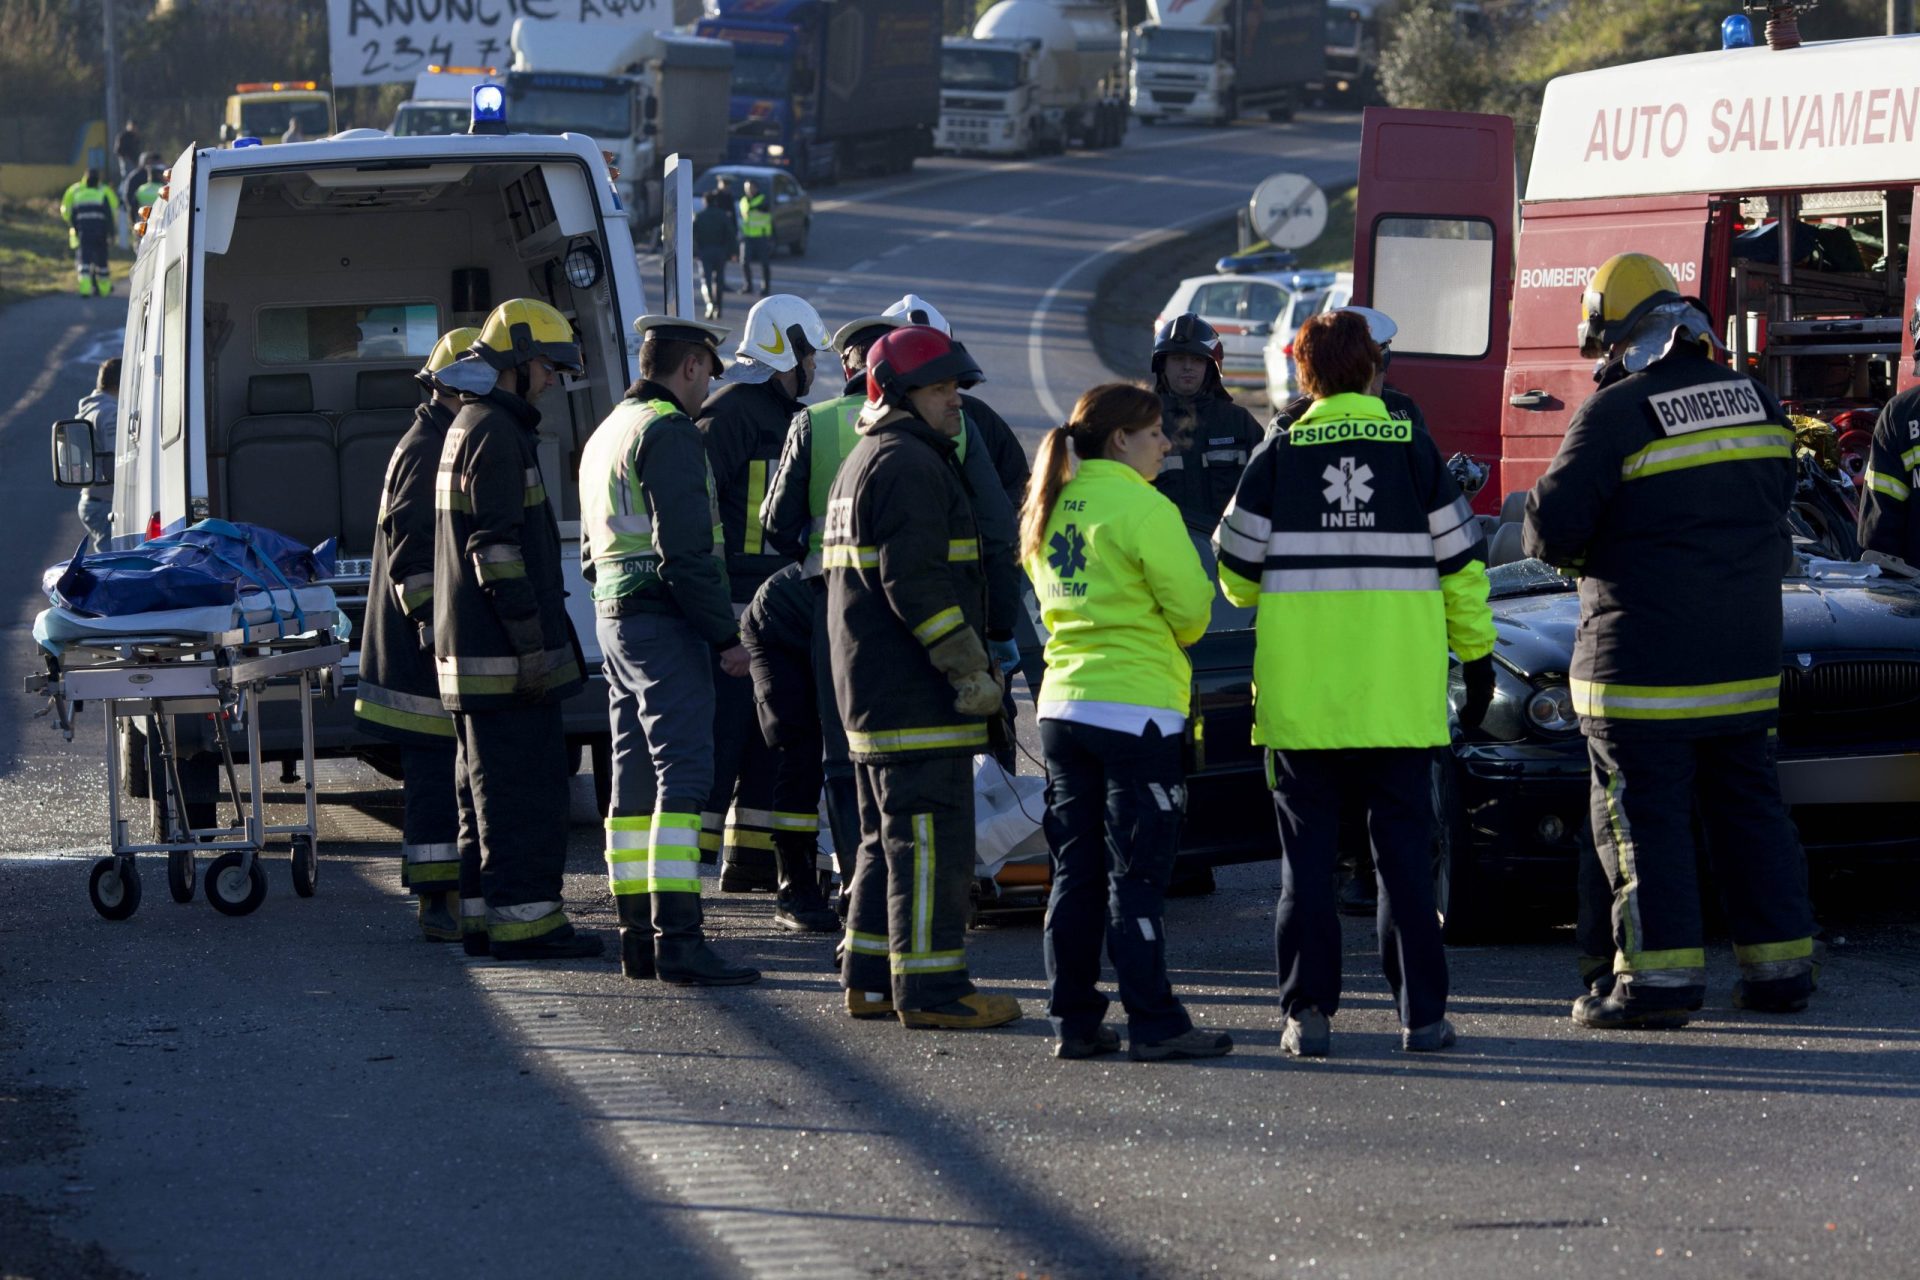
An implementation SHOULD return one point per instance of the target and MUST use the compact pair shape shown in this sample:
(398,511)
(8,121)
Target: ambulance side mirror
(73,465)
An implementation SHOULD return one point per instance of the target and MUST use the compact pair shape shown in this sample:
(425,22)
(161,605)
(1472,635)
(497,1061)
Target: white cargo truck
(1212,61)
(1035,76)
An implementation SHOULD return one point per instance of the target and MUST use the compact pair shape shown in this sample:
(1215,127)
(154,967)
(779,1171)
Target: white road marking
(38,388)
(1036,330)
(655,1139)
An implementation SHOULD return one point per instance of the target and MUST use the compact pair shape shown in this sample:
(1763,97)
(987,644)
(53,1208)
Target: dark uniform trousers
(736,820)
(1114,805)
(512,767)
(907,920)
(1393,784)
(786,702)
(842,795)
(430,820)
(1645,795)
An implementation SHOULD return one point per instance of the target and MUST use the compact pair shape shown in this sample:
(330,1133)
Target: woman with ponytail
(1122,592)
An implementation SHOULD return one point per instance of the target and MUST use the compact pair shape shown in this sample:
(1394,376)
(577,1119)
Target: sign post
(676,238)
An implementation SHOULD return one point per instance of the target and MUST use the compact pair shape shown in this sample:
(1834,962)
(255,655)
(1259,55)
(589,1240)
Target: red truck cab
(1690,159)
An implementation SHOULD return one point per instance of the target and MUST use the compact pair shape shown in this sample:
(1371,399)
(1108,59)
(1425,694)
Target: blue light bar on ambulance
(489,109)
(245,140)
(1736,32)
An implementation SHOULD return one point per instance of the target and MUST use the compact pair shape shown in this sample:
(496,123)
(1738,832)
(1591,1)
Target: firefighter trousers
(1394,786)
(514,761)
(1645,794)
(737,818)
(789,716)
(912,882)
(842,795)
(430,822)
(1114,804)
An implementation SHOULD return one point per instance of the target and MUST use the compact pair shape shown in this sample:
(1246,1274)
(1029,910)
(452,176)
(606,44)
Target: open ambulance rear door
(1433,248)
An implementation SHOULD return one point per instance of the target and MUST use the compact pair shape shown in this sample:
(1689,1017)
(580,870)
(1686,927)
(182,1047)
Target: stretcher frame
(228,676)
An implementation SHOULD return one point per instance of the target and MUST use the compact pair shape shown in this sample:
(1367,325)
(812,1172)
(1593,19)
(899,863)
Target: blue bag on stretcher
(209,563)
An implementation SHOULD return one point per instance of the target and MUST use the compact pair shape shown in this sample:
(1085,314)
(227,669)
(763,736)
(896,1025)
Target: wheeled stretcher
(275,646)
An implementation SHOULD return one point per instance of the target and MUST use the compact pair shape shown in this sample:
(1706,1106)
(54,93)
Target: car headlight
(1549,709)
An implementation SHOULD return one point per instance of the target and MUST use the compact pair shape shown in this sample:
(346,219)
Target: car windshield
(270,118)
(986,70)
(1525,578)
(598,113)
(1175,44)
(415,120)
(1343,28)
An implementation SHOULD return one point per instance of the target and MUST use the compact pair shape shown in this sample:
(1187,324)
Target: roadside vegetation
(1500,61)
(34,257)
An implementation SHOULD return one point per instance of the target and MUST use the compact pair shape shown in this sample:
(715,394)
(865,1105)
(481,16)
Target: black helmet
(1189,333)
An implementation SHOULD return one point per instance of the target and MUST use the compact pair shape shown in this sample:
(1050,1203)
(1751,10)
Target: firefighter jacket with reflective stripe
(1887,519)
(497,584)
(399,695)
(1668,496)
(818,442)
(1212,438)
(744,425)
(756,217)
(90,211)
(1122,591)
(1400,407)
(903,574)
(1367,565)
(650,538)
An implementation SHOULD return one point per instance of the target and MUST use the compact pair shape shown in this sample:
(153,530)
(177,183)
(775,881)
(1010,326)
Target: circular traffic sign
(1288,211)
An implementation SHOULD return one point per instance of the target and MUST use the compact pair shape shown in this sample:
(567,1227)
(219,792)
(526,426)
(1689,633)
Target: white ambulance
(282,299)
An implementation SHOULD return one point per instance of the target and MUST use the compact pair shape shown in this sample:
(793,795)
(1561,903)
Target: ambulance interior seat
(384,401)
(1505,546)
(281,470)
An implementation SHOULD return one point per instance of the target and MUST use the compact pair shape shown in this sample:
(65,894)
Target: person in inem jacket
(1364,565)
(1123,593)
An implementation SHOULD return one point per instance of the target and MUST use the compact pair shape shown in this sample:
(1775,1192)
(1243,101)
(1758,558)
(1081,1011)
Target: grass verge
(34,257)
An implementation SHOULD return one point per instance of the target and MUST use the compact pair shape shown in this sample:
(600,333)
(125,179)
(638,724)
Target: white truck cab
(282,299)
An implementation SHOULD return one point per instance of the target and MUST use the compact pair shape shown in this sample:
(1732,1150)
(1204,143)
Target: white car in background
(1244,307)
(1283,376)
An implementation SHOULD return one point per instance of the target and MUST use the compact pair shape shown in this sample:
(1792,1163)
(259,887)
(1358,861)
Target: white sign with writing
(1823,115)
(382,41)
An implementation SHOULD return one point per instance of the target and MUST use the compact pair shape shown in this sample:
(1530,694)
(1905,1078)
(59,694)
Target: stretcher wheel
(181,875)
(234,892)
(114,888)
(306,865)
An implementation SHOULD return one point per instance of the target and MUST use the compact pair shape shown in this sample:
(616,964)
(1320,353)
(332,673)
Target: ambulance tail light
(153,526)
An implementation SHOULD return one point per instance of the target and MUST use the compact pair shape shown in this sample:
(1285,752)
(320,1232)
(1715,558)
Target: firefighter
(777,629)
(142,187)
(651,545)
(794,517)
(907,612)
(1887,521)
(1211,435)
(1123,593)
(503,648)
(91,212)
(399,694)
(1365,566)
(1668,498)
(756,237)
(1009,455)
(744,425)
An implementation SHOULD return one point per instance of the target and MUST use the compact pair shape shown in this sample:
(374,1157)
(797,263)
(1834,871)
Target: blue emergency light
(245,140)
(489,109)
(1736,32)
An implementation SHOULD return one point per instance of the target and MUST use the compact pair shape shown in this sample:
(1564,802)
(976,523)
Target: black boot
(681,953)
(636,933)
(564,943)
(800,906)
(745,870)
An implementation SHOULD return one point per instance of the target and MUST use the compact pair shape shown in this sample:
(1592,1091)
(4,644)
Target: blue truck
(831,88)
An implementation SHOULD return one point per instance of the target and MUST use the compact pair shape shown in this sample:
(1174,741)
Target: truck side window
(173,354)
(1434,276)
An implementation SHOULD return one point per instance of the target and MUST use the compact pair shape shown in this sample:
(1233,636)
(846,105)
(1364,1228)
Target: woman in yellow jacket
(1123,593)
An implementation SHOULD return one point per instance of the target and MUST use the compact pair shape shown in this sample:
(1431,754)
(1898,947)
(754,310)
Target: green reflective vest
(618,554)
(833,433)
(756,217)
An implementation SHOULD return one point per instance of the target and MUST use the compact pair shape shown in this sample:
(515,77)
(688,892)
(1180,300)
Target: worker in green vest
(91,212)
(756,236)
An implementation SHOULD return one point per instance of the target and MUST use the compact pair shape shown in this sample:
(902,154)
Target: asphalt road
(312,1091)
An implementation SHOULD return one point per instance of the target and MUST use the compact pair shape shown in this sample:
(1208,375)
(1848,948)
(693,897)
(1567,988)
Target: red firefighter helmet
(915,356)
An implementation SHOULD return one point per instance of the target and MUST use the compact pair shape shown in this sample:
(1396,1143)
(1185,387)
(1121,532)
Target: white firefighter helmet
(780,331)
(914,309)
